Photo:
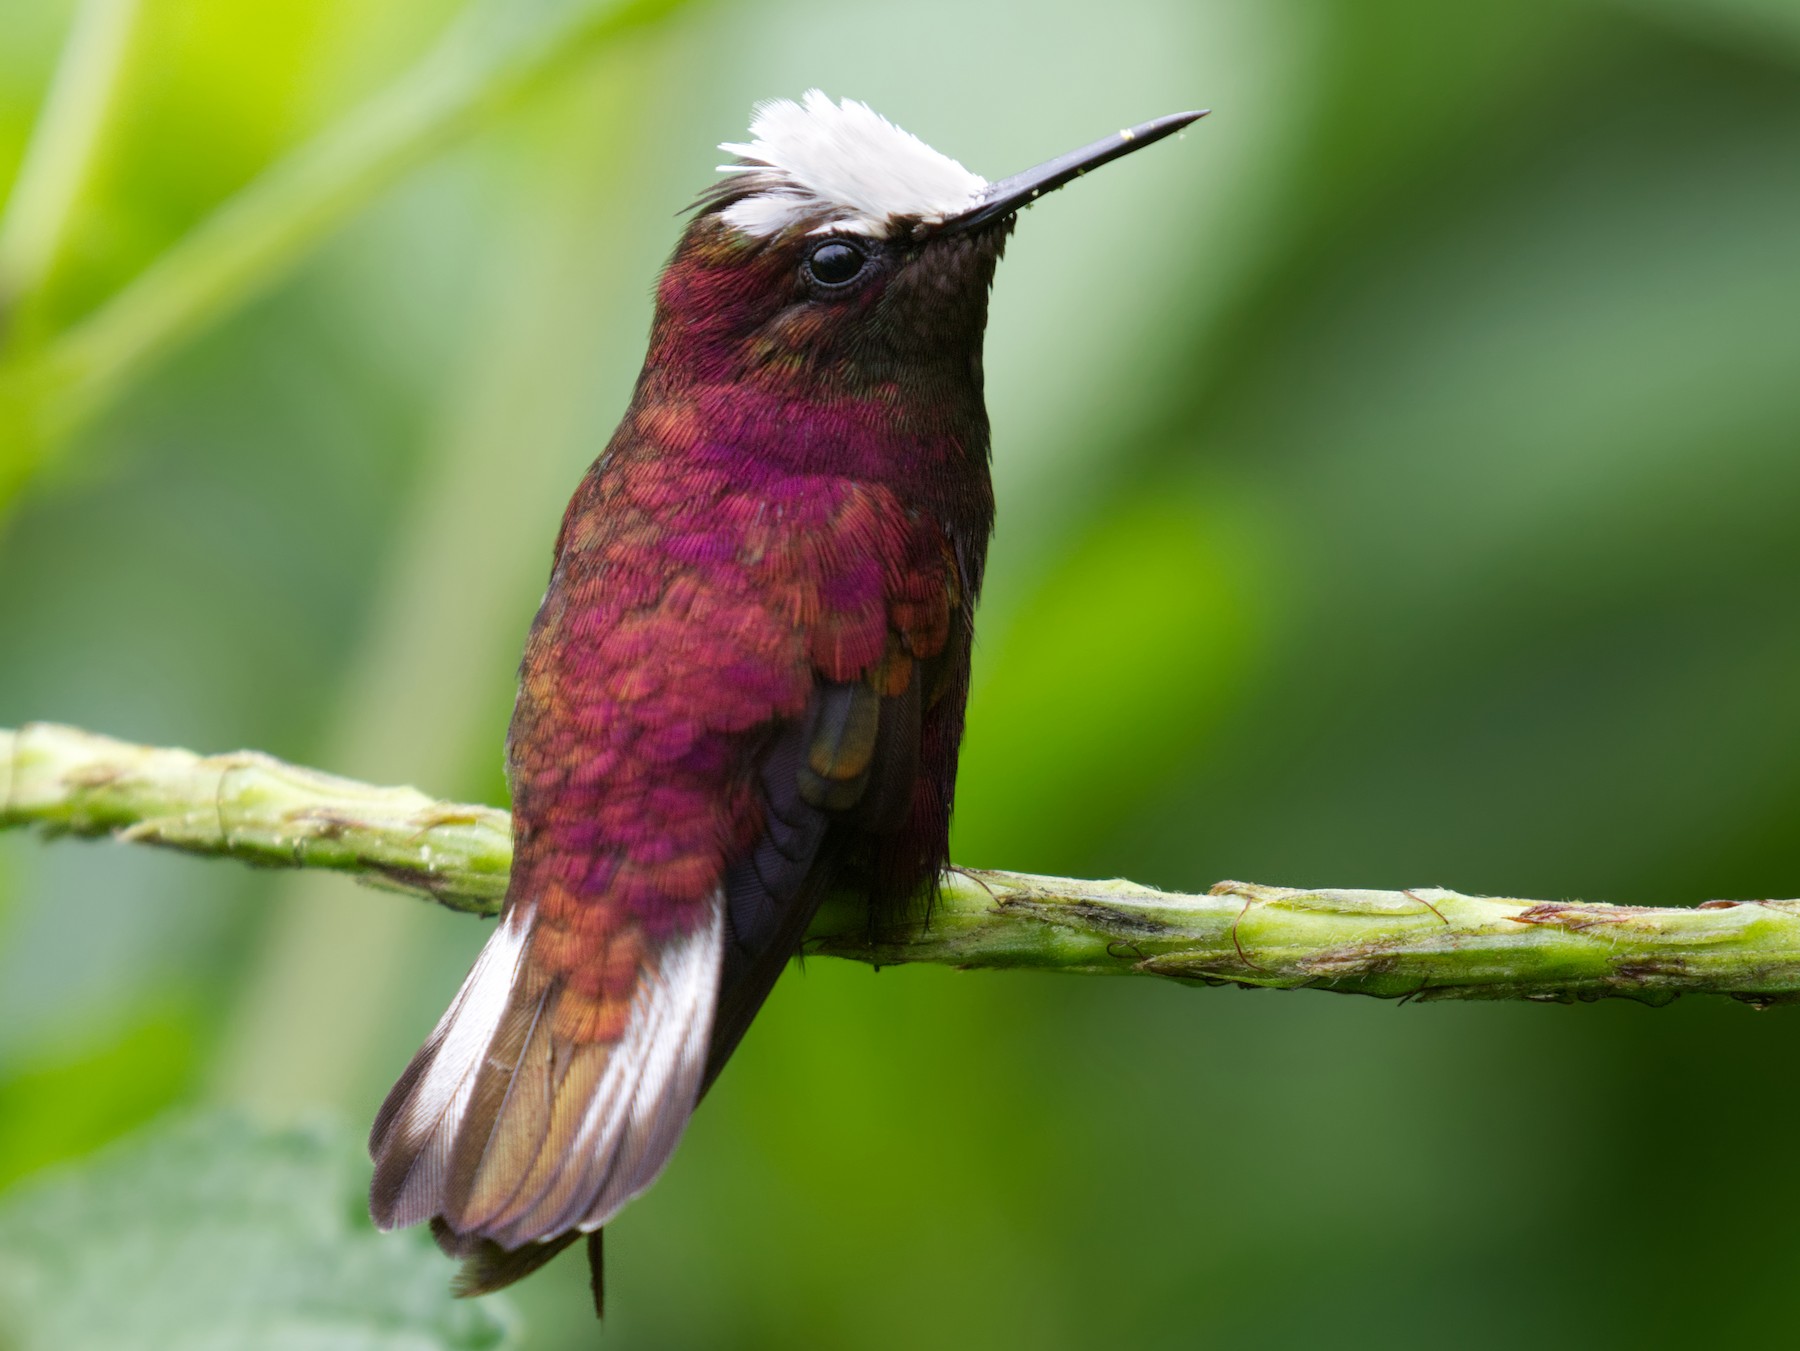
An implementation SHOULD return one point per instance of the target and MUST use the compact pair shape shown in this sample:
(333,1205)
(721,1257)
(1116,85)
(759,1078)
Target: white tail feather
(650,1086)
(629,1126)
(427,1116)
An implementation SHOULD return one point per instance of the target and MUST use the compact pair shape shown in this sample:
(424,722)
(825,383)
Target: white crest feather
(844,161)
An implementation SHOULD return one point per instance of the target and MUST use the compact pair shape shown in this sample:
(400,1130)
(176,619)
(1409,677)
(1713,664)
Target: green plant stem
(1424,943)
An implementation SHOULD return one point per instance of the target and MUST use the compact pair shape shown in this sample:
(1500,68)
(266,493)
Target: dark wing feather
(844,767)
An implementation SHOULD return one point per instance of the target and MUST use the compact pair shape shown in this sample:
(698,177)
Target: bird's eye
(835,263)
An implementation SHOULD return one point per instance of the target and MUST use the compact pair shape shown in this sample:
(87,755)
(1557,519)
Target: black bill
(1009,194)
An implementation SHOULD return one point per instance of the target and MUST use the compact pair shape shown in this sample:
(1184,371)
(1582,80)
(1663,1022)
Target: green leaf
(206,1232)
(62,1105)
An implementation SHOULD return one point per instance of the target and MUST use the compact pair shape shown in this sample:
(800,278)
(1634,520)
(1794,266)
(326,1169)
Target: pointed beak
(1021,190)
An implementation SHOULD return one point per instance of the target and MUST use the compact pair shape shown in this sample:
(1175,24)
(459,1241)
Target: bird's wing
(851,767)
(708,688)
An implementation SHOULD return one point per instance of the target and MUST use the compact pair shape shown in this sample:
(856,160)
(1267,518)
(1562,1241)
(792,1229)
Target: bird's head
(844,252)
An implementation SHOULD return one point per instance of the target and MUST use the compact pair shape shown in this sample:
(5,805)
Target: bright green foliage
(48,1110)
(208,1234)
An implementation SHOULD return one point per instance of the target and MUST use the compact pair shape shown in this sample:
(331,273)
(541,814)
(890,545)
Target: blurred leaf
(1768,29)
(1110,676)
(486,60)
(58,1108)
(1538,452)
(71,135)
(209,1233)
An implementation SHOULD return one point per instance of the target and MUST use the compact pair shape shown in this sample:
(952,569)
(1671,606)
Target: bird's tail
(549,1094)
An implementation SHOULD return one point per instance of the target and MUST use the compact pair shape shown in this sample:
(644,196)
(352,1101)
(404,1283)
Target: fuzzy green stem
(1423,944)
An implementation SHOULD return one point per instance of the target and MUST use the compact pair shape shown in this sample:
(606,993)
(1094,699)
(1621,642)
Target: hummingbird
(745,685)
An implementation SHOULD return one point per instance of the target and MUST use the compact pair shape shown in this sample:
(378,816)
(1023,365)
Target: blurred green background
(1397,485)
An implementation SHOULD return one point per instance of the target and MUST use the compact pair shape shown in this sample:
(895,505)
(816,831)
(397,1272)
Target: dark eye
(835,263)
